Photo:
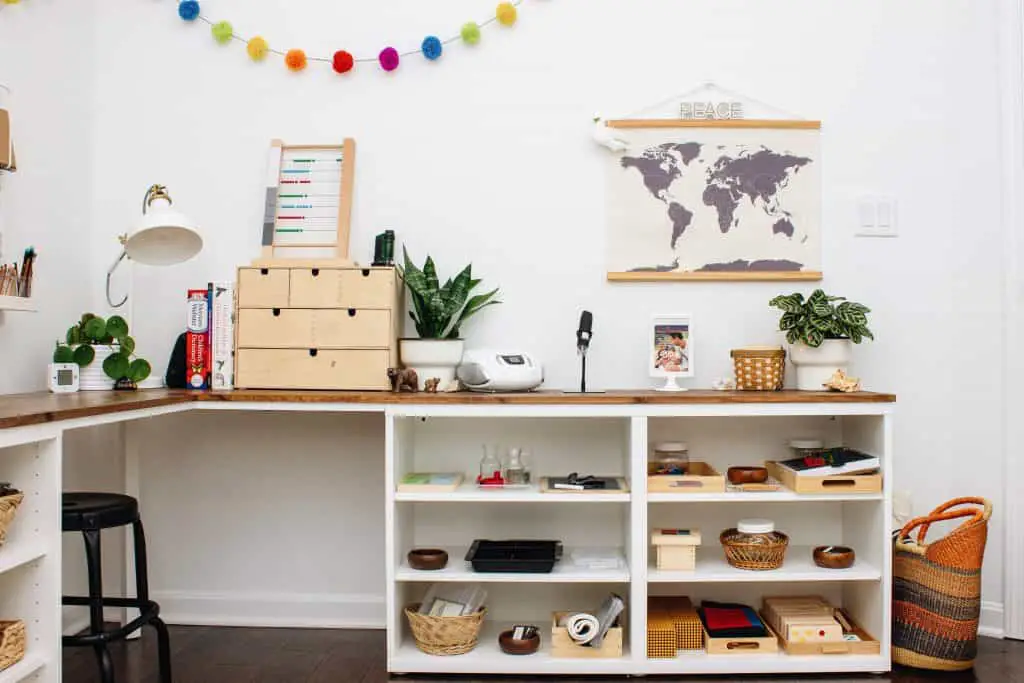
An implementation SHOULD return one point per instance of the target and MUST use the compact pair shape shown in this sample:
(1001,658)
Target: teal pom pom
(432,47)
(188,9)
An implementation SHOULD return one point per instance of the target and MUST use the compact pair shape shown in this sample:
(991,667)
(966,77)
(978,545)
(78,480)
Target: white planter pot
(431,358)
(814,366)
(92,377)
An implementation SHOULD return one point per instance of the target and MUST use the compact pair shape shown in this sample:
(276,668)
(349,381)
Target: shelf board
(469,493)
(23,669)
(799,566)
(460,570)
(700,662)
(487,658)
(16,554)
(17,303)
(780,496)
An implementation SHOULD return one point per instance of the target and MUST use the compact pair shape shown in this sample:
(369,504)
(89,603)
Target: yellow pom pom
(257,48)
(506,14)
(11,2)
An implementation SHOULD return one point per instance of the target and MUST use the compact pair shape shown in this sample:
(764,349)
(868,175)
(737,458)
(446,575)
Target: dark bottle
(384,249)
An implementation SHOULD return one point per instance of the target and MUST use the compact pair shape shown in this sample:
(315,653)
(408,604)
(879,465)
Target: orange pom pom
(295,59)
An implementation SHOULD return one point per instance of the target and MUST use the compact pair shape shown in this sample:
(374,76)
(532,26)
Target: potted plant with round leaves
(438,312)
(821,331)
(105,352)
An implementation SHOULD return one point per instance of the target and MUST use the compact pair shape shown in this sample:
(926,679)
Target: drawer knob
(264,271)
(277,312)
(366,272)
(315,272)
(313,352)
(351,312)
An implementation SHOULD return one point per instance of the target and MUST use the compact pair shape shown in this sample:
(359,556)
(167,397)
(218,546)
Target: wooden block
(682,558)
(563,647)
(843,483)
(700,478)
(343,288)
(262,287)
(352,369)
(661,636)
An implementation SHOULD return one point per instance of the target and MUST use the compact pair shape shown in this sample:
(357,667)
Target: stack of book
(209,337)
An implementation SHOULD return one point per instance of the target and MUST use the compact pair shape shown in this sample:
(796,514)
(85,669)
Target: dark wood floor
(251,655)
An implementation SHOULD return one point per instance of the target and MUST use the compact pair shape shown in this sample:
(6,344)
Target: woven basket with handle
(12,643)
(937,588)
(445,635)
(759,368)
(8,508)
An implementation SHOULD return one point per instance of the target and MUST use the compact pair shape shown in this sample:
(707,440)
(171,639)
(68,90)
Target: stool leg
(163,643)
(106,664)
(141,567)
(94,561)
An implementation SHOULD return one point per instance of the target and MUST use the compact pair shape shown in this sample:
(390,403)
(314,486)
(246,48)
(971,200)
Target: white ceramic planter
(814,366)
(431,358)
(92,377)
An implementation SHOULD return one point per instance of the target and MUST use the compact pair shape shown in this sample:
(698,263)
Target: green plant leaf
(74,335)
(86,317)
(63,354)
(821,308)
(117,327)
(84,355)
(790,303)
(793,336)
(813,337)
(789,320)
(855,336)
(95,329)
(430,274)
(127,345)
(116,366)
(139,370)
(851,314)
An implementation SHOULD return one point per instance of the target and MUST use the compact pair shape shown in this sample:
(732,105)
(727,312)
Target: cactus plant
(91,330)
(818,318)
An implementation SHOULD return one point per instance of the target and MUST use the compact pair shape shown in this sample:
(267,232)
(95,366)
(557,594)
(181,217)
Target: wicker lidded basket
(12,643)
(445,635)
(754,545)
(759,368)
(8,508)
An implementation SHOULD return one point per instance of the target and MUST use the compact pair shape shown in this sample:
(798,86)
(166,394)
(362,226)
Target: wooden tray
(564,647)
(742,646)
(702,478)
(842,483)
(867,645)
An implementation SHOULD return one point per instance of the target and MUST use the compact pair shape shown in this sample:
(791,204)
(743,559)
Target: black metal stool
(89,513)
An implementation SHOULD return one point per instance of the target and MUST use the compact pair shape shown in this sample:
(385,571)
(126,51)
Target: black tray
(525,557)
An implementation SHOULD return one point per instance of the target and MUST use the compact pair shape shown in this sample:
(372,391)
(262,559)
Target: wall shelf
(18,553)
(17,303)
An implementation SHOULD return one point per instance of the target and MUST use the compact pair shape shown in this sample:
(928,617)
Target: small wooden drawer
(262,287)
(701,478)
(306,328)
(343,288)
(341,370)
(841,483)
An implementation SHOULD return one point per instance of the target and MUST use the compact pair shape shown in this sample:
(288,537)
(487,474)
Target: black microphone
(585,331)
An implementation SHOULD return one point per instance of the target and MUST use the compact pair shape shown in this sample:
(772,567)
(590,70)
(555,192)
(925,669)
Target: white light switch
(876,217)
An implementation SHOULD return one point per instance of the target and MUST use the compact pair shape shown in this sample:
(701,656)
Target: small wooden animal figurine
(840,382)
(430,385)
(403,380)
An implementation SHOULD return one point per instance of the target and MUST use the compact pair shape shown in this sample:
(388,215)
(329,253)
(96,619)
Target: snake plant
(440,310)
(819,317)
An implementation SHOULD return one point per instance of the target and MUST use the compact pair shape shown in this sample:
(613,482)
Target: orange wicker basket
(759,368)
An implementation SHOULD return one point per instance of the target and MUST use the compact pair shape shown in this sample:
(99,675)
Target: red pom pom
(343,61)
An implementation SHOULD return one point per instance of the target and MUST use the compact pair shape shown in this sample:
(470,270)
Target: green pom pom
(471,33)
(222,31)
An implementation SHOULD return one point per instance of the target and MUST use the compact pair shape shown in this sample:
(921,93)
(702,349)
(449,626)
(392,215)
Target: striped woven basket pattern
(937,588)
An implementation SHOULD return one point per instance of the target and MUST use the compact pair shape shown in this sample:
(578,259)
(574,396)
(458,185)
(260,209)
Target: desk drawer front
(262,287)
(354,369)
(342,288)
(336,328)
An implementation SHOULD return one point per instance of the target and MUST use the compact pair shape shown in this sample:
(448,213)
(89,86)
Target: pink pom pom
(389,59)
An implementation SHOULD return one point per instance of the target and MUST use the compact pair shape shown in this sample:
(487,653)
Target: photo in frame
(670,349)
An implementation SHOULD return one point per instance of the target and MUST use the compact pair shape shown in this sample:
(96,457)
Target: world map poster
(717,202)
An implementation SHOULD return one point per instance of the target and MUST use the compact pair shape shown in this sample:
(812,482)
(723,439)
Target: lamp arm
(110,273)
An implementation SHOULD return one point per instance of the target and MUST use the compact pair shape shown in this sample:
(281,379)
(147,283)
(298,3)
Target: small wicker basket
(8,508)
(759,368)
(445,635)
(12,643)
(755,556)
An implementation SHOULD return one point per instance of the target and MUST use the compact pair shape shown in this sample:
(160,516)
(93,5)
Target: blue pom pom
(188,9)
(432,47)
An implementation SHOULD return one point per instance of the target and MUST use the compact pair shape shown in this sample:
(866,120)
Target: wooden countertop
(19,410)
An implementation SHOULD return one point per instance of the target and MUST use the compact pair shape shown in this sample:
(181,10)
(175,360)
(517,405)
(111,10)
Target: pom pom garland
(432,47)
(188,10)
(389,59)
(506,14)
(471,33)
(295,60)
(257,48)
(343,62)
(222,31)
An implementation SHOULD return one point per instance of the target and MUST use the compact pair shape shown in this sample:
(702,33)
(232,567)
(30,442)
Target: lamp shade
(163,237)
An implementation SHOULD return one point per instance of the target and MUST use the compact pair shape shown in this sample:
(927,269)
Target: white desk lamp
(163,237)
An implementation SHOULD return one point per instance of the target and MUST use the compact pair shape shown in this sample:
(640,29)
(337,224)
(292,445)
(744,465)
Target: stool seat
(82,510)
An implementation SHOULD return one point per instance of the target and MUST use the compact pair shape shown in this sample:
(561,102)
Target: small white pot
(431,358)
(92,377)
(814,366)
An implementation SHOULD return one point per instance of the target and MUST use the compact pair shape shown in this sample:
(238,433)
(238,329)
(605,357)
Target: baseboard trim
(272,610)
(992,622)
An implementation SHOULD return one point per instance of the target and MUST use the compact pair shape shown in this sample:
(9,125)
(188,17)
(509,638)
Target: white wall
(486,157)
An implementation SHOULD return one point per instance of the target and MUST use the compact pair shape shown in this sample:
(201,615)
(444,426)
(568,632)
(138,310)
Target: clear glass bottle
(490,466)
(515,471)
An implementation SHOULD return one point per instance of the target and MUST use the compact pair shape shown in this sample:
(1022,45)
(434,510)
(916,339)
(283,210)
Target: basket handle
(944,512)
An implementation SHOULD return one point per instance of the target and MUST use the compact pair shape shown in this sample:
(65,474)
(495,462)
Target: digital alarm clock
(63,378)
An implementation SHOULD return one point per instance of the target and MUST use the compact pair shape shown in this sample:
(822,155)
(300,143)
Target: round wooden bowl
(834,556)
(511,646)
(427,559)
(747,475)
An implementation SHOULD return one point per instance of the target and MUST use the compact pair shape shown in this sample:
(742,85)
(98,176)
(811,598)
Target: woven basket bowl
(445,635)
(759,370)
(754,556)
(12,643)
(8,508)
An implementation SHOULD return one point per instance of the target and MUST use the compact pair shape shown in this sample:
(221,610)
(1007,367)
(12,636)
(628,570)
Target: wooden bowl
(427,559)
(747,475)
(834,557)
(511,646)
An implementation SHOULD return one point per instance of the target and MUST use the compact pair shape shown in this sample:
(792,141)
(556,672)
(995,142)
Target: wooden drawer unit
(343,288)
(351,369)
(324,328)
(262,287)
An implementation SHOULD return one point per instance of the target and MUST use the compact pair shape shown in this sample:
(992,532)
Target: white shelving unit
(17,303)
(613,440)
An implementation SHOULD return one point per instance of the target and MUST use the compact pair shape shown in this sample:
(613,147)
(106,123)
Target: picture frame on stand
(670,349)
